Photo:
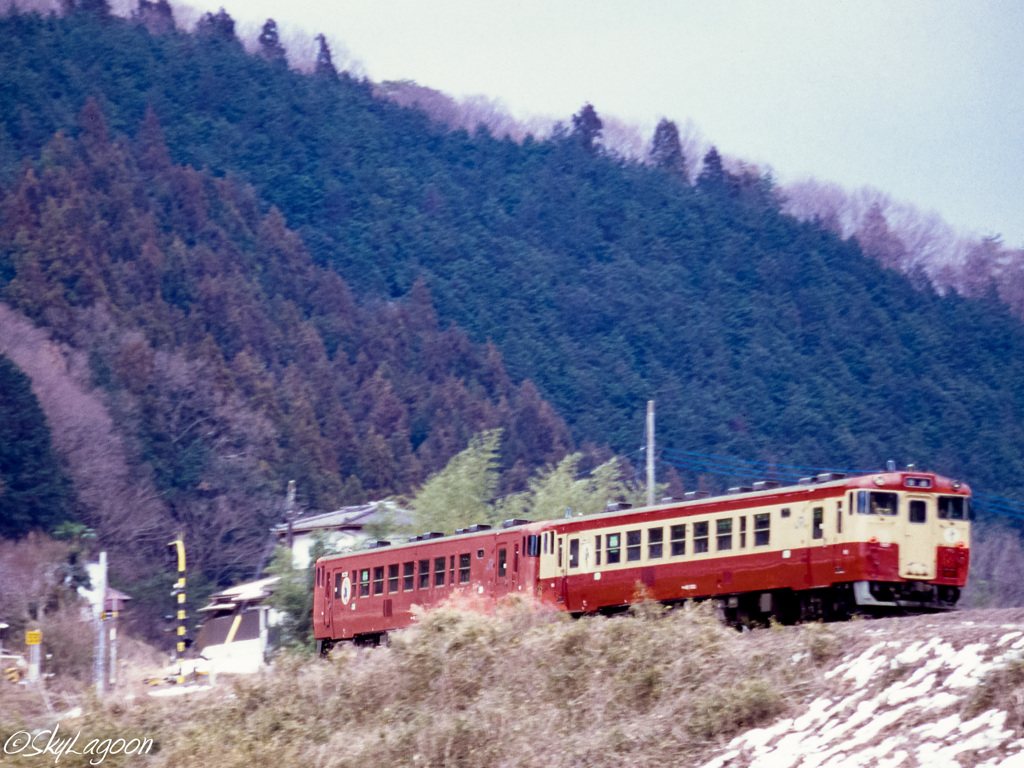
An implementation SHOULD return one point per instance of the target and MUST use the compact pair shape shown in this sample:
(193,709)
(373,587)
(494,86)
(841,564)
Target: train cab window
(532,546)
(743,532)
(464,568)
(424,582)
(378,580)
(633,540)
(502,562)
(574,553)
(597,550)
(817,531)
(700,537)
(678,542)
(438,571)
(364,582)
(724,533)
(877,503)
(614,545)
(953,508)
(337,585)
(655,543)
(918,511)
(408,576)
(762,530)
(393,578)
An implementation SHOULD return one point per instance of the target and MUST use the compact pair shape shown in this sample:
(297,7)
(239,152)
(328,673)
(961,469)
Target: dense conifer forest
(260,275)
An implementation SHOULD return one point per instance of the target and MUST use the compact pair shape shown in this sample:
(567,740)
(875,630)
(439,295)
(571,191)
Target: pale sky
(923,99)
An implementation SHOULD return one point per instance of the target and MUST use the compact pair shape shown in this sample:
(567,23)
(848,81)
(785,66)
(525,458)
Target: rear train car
(893,541)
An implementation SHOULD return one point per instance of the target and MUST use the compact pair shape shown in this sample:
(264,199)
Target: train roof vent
(764,485)
(380,543)
(512,523)
(615,506)
(461,531)
(806,481)
(670,499)
(415,538)
(824,477)
(740,489)
(691,495)
(433,535)
(477,527)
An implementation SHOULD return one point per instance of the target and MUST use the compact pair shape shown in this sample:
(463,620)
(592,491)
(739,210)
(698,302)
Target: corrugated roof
(357,516)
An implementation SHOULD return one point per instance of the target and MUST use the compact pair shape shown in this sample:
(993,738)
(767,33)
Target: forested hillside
(272,275)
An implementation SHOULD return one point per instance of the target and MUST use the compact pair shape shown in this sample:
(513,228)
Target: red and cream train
(896,540)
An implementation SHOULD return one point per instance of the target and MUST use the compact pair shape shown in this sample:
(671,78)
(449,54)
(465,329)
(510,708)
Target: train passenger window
(378,580)
(409,576)
(655,539)
(785,511)
(724,533)
(337,585)
(918,511)
(633,539)
(743,532)
(762,530)
(501,562)
(424,575)
(953,508)
(364,582)
(464,569)
(393,578)
(614,553)
(700,537)
(818,522)
(597,550)
(574,553)
(678,533)
(438,571)
(532,546)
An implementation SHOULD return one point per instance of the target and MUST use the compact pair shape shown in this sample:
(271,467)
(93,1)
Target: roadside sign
(33,637)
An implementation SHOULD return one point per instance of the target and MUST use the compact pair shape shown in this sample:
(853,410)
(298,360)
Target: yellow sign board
(33,637)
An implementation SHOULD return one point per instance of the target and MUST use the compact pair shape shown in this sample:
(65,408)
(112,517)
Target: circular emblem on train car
(346,590)
(951,535)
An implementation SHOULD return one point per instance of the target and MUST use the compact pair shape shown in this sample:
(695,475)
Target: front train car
(827,547)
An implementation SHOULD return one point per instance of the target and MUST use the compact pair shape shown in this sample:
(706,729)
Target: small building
(345,528)
(237,627)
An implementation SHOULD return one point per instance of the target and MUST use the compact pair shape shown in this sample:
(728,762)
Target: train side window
(839,516)
(378,580)
(762,530)
(785,511)
(633,540)
(818,522)
(597,549)
(918,511)
(438,571)
(515,559)
(700,537)
(560,552)
(574,553)
(364,582)
(464,561)
(451,578)
(655,546)
(724,533)
(743,532)
(393,578)
(952,508)
(424,574)
(532,546)
(502,563)
(408,576)
(337,585)
(614,544)
(678,542)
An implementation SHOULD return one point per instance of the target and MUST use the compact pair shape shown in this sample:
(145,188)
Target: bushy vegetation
(523,688)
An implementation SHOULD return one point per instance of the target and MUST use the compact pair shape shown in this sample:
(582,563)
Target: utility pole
(99,660)
(650,453)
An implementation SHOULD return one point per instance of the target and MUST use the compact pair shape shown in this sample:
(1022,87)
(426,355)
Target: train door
(505,580)
(800,540)
(328,601)
(917,543)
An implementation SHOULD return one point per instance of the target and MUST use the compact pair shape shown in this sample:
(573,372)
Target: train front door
(918,543)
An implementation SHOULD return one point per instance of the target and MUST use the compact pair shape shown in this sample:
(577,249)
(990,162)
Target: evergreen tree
(324,65)
(219,26)
(459,494)
(270,44)
(586,128)
(666,149)
(34,492)
(712,175)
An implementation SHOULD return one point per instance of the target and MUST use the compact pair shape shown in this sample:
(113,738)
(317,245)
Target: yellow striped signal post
(177,548)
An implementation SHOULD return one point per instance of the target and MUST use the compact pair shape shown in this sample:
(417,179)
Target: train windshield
(953,508)
(877,503)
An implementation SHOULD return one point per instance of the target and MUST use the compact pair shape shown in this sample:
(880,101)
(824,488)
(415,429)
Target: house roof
(251,591)
(346,517)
